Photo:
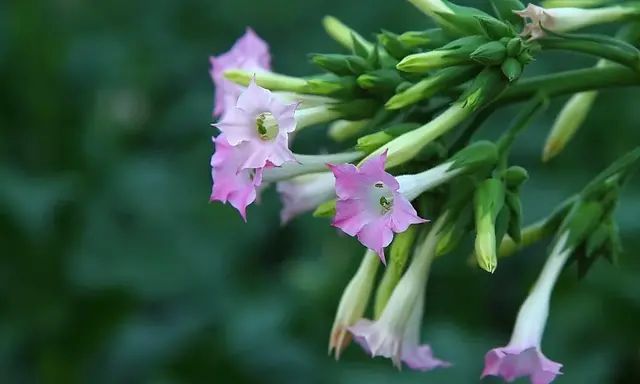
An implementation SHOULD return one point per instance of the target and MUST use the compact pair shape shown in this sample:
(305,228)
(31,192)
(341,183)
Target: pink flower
(396,334)
(398,342)
(249,52)
(262,125)
(523,355)
(369,205)
(230,182)
(511,363)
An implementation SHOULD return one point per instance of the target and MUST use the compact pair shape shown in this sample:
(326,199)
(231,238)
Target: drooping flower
(249,52)
(396,334)
(262,125)
(369,205)
(231,183)
(304,193)
(353,302)
(523,355)
(539,19)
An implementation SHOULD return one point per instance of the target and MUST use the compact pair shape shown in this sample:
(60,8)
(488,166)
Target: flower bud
(494,28)
(455,53)
(393,46)
(342,65)
(491,53)
(515,176)
(488,202)
(353,302)
(331,85)
(342,130)
(429,39)
(380,81)
(514,47)
(567,122)
(344,35)
(511,68)
(444,79)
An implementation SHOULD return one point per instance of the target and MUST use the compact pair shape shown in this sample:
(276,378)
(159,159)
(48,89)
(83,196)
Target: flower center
(267,126)
(382,196)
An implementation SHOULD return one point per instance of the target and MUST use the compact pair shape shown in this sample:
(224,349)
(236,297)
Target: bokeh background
(114,268)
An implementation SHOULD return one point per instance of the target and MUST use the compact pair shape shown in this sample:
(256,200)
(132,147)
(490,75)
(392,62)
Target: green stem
(612,53)
(569,82)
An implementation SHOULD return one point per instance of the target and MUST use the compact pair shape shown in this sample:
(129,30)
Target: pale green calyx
(267,126)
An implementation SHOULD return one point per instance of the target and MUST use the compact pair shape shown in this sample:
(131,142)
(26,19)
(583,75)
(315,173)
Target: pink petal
(512,363)
(249,52)
(254,100)
(376,235)
(403,214)
(348,183)
(351,216)
(421,358)
(237,126)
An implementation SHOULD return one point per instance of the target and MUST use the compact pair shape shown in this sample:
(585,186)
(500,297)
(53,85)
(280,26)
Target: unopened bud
(511,68)
(342,130)
(491,53)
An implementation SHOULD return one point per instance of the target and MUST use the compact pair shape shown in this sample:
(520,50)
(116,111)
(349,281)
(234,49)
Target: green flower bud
(344,35)
(454,53)
(429,39)
(525,57)
(381,80)
(515,176)
(356,109)
(570,118)
(342,65)
(393,46)
(511,68)
(504,9)
(491,53)
(342,130)
(488,202)
(444,79)
(514,47)
(331,85)
(485,87)
(494,28)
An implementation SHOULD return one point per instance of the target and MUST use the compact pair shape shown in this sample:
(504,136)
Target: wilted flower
(523,355)
(262,124)
(568,19)
(249,52)
(304,193)
(230,182)
(369,205)
(353,302)
(396,334)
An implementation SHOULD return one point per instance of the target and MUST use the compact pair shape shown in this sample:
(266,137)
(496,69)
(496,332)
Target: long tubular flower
(523,355)
(304,193)
(569,19)
(369,204)
(249,52)
(353,303)
(430,7)
(231,183)
(396,334)
(262,123)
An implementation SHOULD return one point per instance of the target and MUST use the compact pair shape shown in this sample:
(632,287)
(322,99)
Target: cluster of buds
(408,157)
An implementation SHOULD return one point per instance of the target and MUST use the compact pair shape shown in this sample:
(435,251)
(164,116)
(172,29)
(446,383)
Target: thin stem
(605,51)
(569,82)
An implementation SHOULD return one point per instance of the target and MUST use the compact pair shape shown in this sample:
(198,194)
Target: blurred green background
(114,268)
